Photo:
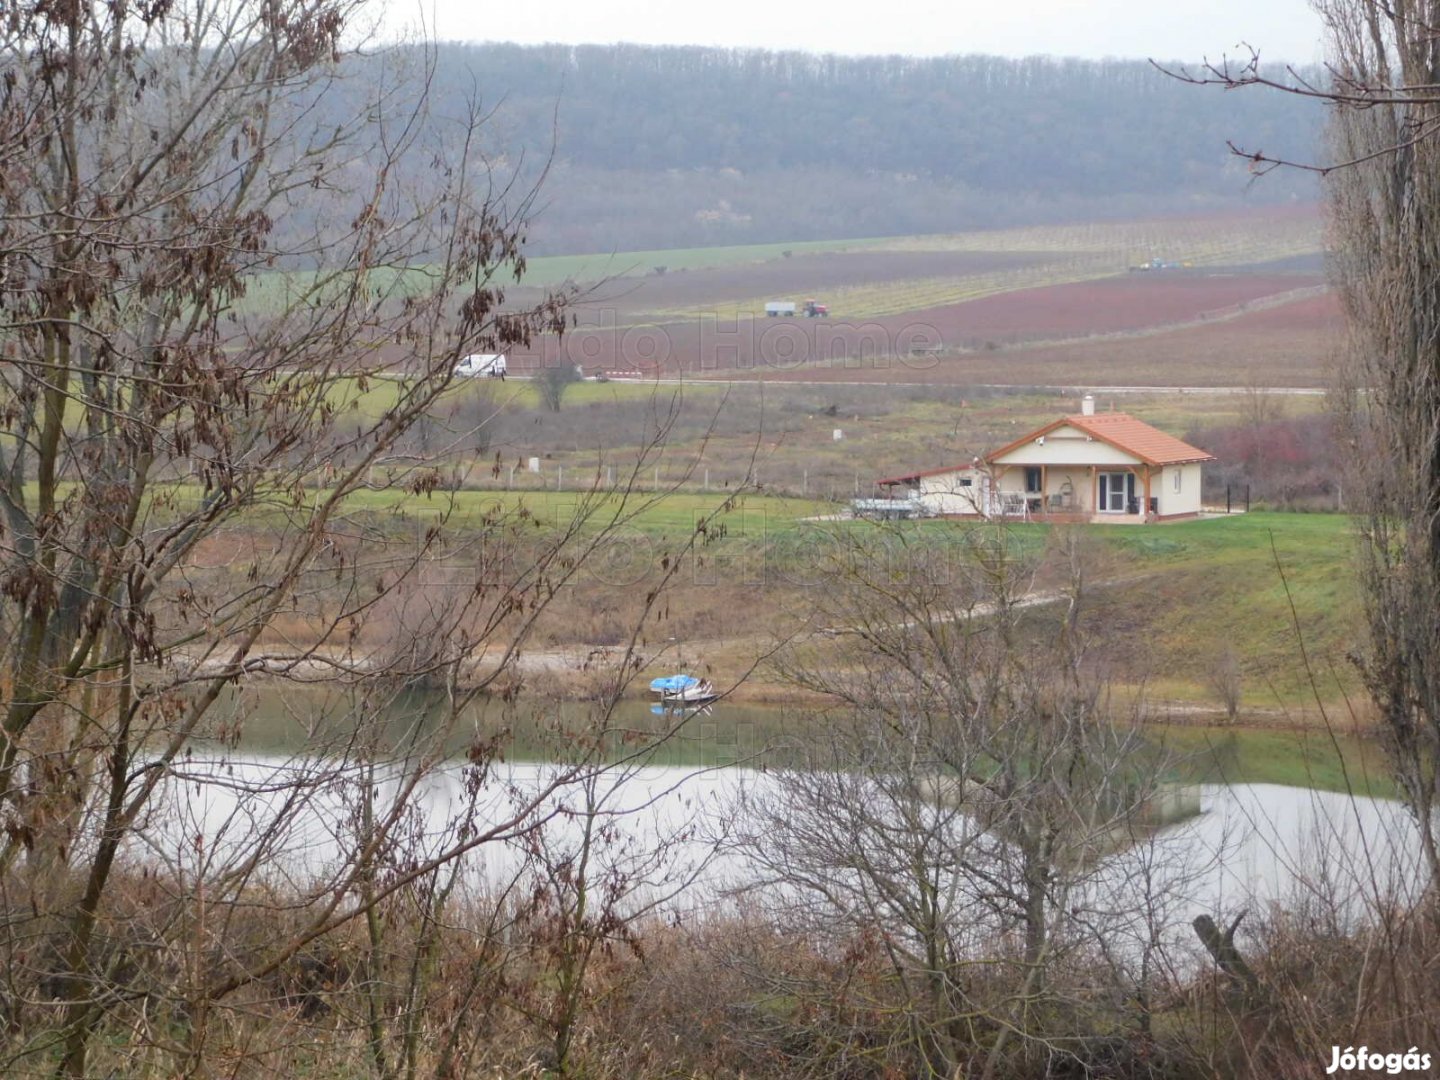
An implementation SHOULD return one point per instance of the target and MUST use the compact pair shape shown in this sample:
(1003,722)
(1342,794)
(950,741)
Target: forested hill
(661,146)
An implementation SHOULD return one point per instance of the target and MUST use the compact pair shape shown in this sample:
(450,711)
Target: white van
(491,364)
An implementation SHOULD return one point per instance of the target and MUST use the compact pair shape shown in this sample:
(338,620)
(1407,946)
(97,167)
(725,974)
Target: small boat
(683,689)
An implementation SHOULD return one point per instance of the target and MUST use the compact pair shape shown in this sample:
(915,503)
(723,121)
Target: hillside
(658,147)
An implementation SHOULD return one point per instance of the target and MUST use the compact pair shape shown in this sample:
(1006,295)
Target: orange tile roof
(1124,432)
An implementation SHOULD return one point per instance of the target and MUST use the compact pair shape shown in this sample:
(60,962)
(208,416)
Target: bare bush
(553,381)
(948,833)
(1227,681)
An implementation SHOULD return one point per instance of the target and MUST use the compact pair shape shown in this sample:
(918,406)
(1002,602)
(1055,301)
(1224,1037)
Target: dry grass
(719,996)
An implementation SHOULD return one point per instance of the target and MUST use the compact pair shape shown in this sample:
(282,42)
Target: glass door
(1116,489)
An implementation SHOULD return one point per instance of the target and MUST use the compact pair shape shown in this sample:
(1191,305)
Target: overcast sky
(1163,29)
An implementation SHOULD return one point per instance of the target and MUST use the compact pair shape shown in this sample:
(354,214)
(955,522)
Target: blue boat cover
(671,684)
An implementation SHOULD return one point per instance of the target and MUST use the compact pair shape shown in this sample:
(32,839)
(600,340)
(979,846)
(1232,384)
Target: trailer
(889,509)
(776,308)
(491,365)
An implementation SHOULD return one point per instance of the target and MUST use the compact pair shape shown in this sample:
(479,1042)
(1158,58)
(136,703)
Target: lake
(671,817)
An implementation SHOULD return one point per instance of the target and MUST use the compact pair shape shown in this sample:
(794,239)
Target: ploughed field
(1189,328)
(1241,299)
(1134,301)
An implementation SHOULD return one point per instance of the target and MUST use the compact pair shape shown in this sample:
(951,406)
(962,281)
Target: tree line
(709,145)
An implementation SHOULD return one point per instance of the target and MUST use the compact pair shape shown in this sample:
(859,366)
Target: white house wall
(1067,446)
(1187,499)
(947,493)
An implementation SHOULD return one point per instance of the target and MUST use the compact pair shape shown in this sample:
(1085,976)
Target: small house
(1107,467)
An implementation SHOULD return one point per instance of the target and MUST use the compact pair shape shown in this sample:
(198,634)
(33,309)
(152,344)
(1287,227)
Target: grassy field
(671,515)
(1073,253)
(1259,587)
(1199,241)
(275,291)
(1166,606)
(551,270)
(380,395)
(1169,605)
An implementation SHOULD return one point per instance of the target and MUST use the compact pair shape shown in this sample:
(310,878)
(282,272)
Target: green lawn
(556,269)
(751,516)
(1170,603)
(380,395)
(1272,589)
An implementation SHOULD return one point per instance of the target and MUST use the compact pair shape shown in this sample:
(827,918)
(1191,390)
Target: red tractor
(813,310)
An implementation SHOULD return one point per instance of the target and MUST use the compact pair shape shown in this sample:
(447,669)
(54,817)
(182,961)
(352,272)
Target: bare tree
(206,269)
(623,849)
(975,779)
(1384,211)
(553,381)
(1227,681)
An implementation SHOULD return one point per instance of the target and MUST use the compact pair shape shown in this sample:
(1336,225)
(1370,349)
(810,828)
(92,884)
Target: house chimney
(1087,405)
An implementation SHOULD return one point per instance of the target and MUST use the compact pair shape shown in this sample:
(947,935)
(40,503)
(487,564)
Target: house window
(1032,480)
(965,481)
(1177,480)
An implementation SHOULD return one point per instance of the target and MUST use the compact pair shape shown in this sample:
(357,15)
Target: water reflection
(290,791)
(1251,845)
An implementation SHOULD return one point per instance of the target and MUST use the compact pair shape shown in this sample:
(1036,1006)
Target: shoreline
(578,672)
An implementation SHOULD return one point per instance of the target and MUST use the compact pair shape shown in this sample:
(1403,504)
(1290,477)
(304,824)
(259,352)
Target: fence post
(804,483)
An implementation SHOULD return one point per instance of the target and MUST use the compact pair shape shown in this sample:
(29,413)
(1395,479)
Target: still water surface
(674,813)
